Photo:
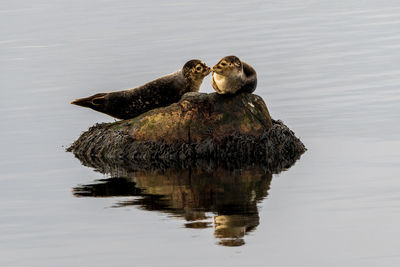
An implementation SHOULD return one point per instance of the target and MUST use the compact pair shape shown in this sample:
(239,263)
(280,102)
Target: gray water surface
(329,69)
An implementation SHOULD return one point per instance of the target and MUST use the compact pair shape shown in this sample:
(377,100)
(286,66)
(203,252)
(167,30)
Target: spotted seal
(231,76)
(161,92)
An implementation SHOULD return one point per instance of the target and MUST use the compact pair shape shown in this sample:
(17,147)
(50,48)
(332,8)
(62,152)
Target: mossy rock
(235,128)
(198,116)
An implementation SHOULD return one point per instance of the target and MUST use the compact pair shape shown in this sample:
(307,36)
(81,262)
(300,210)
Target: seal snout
(207,70)
(216,68)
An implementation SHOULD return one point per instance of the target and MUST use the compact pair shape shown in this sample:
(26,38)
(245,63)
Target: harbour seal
(161,92)
(231,76)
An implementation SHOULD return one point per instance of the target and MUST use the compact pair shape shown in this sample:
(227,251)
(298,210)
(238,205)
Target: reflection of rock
(232,195)
(228,129)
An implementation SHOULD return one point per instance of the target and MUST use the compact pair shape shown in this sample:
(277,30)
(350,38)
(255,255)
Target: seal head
(194,72)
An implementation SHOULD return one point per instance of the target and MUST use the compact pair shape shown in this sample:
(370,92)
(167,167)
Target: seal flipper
(94,102)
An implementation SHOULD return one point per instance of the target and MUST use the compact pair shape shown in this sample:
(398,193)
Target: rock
(198,116)
(227,128)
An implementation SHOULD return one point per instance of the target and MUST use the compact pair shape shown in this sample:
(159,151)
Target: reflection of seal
(231,75)
(158,93)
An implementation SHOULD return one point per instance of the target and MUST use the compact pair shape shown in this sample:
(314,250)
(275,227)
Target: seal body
(231,76)
(161,92)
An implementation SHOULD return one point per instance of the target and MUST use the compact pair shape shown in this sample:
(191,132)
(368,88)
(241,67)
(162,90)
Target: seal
(231,76)
(161,92)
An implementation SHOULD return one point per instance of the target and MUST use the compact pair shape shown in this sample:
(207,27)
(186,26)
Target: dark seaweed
(102,146)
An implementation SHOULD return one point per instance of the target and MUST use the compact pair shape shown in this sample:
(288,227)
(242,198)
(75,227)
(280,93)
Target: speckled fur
(231,80)
(158,93)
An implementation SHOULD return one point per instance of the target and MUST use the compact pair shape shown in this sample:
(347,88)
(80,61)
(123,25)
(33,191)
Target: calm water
(329,69)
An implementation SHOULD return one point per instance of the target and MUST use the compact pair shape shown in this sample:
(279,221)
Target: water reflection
(218,197)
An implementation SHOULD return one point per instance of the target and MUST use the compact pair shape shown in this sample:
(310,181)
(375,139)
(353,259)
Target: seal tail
(94,102)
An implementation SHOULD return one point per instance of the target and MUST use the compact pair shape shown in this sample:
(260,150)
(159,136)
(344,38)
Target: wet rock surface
(226,129)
